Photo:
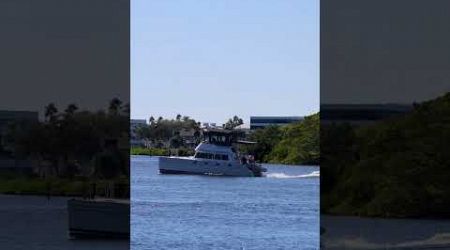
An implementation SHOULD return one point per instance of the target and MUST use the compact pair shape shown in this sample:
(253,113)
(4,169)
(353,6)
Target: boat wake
(313,174)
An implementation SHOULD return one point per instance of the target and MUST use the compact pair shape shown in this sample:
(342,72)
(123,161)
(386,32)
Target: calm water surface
(350,232)
(280,211)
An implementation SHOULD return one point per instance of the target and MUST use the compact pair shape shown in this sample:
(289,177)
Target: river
(34,222)
(279,211)
(351,232)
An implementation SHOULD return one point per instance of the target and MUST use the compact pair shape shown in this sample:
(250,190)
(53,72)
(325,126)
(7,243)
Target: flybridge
(222,137)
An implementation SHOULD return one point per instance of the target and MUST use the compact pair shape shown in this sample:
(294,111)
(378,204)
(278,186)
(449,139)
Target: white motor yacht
(216,155)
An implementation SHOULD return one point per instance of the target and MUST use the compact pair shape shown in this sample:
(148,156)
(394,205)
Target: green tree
(115,106)
(296,143)
(233,123)
(70,110)
(398,167)
(51,112)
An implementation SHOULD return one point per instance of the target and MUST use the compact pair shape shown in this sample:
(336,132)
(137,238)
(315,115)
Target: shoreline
(20,186)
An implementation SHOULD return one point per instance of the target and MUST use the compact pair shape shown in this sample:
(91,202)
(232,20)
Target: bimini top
(246,142)
(222,137)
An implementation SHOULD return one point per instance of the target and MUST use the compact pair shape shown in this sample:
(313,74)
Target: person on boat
(251,159)
(243,160)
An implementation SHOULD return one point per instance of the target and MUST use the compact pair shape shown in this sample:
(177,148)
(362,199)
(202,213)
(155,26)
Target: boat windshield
(202,155)
(219,139)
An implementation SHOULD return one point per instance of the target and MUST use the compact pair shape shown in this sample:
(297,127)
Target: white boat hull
(188,165)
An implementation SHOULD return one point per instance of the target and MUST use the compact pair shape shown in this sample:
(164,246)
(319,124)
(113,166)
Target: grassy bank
(149,151)
(59,187)
(161,151)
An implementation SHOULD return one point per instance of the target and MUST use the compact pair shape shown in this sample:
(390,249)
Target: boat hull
(98,219)
(191,166)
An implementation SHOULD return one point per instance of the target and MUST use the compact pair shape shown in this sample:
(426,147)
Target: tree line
(157,131)
(65,143)
(296,143)
(161,130)
(399,167)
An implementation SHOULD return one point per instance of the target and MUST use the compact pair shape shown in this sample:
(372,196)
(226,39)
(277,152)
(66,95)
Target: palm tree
(233,123)
(115,106)
(178,117)
(71,108)
(126,108)
(151,120)
(237,121)
(50,112)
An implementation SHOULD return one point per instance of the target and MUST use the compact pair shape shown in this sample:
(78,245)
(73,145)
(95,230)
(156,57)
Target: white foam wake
(285,176)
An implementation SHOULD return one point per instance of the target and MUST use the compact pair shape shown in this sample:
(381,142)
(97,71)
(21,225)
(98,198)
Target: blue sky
(211,60)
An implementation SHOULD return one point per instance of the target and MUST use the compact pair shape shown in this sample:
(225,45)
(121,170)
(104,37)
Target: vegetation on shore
(161,151)
(399,167)
(295,144)
(77,187)
(149,151)
(65,147)
(163,130)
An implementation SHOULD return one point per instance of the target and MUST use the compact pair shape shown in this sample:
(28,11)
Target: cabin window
(204,155)
(221,157)
(200,155)
(211,156)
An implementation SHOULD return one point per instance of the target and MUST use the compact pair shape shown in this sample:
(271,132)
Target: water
(33,222)
(280,211)
(350,232)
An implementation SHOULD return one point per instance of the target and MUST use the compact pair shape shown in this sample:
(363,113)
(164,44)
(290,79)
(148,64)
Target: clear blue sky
(214,59)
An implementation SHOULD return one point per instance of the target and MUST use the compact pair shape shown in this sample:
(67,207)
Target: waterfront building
(264,121)
(361,114)
(209,125)
(189,136)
